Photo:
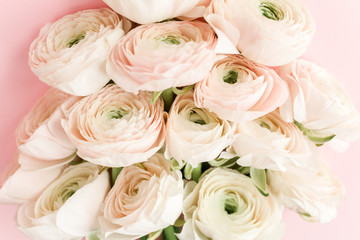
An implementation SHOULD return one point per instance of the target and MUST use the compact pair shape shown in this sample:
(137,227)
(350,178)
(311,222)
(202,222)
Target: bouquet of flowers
(181,119)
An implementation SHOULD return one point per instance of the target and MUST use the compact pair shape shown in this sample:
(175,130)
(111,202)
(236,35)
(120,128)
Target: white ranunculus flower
(226,205)
(194,134)
(71,53)
(319,102)
(69,207)
(271,143)
(143,200)
(151,11)
(116,128)
(270,32)
(313,195)
(26,178)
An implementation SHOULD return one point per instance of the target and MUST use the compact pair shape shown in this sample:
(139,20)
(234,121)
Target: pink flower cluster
(188,113)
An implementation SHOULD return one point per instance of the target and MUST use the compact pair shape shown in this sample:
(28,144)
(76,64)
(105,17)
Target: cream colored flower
(69,207)
(226,205)
(316,196)
(143,200)
(71,53)
(116,128)
(270,32)
(194,134)
(269,142)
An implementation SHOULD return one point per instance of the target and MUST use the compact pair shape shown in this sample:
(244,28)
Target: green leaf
(258,177)
(192,173)
(114,174)
(306,217)
(179,222)
(168,97)
(169,233)
(144,237)
(315,136)
(155,96)
(155,235)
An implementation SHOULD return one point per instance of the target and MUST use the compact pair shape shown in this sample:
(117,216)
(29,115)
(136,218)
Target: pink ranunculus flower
(71,53)
(143,200)
(319,102)
(40,134)
(269,32)
(116,128)
(20,183)
(237,89)
(269,142)
(315,196)
(195,135)
(151,11)
(159,56)
(69,207)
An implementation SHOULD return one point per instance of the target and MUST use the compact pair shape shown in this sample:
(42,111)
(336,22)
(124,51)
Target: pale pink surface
(335,47)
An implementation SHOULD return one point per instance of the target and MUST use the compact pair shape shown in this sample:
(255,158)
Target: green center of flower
(271,11)
(172,40)
(75,40)
(265,125)
(231,77)
(116,114)
(231,205)
(195,117)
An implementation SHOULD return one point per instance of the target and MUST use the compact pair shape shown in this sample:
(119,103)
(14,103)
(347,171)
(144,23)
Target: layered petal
(159,56)
(237,89)
(143,200)
(269,32)
(195,135)
(70,54)
(116,128)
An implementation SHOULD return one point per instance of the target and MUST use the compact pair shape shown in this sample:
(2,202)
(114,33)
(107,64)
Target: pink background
(336,47)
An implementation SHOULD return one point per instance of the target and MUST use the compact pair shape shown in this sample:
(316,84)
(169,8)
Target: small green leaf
(306,217)
(144,237)
(258,177)
(114,174)
(169,233)
(179,222)
(168,97)
(313,135)
(192,173)
(155,235)
(155,96)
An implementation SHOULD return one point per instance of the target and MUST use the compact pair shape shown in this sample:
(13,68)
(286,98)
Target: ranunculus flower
(116,128)
(143,200)
(159,56)
(238,89)
(69,207)
(26,177)
(226,205)
(269,32)
(151,11)
(314,195)
(71,53)
(194,134)
(319,102)
(40,134)
(269,142)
